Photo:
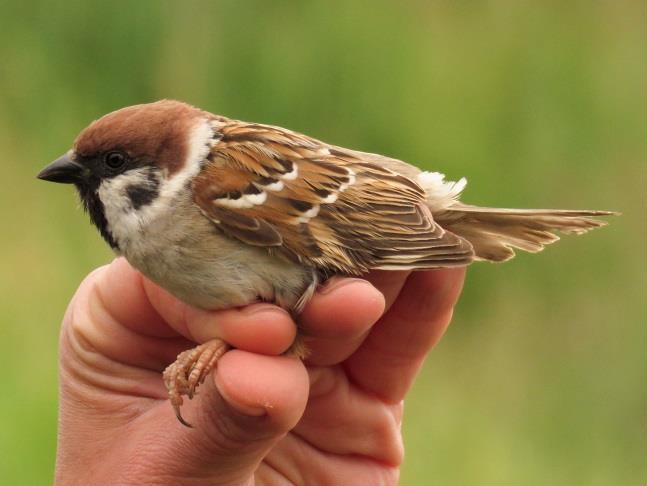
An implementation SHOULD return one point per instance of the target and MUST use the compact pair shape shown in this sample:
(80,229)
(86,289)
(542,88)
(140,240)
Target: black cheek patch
(145,192)
(141,195)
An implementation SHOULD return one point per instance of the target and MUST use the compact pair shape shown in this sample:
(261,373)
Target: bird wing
(321,205)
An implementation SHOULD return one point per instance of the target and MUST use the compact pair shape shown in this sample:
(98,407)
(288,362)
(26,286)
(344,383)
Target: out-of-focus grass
(541,379)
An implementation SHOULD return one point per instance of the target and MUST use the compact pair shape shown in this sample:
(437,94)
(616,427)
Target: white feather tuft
(440,193)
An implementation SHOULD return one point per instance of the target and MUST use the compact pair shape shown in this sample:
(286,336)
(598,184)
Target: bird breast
(185,253)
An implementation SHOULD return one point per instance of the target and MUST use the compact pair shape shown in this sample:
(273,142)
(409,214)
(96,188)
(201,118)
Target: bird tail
(495,233)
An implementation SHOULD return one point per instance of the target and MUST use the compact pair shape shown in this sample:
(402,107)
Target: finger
(124,317)
(144,307)
(390,357)
(97,329)
(251,403)
(338,317)
(388,282)
(120,288)
(258,328)
(344,420)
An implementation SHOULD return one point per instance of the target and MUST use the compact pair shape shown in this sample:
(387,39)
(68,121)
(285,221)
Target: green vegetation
(542,377)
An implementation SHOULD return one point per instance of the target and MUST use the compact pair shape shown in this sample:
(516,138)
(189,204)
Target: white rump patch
(440,193)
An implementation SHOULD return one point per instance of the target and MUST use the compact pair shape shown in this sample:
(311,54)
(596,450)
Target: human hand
(263,417)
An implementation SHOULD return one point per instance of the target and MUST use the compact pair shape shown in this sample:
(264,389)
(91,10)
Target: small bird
(223,213)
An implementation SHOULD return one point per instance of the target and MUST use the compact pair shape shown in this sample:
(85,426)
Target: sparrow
(223,213)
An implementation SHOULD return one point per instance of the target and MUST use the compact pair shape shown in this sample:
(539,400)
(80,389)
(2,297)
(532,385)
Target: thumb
(249,405)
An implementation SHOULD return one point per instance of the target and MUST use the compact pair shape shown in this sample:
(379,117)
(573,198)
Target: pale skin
(260,418)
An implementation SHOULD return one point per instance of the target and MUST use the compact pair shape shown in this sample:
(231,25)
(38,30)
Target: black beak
(63,170)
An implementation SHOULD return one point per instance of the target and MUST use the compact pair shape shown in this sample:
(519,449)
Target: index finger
(128,319)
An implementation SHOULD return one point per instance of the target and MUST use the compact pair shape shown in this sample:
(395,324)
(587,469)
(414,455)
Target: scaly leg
(189,370)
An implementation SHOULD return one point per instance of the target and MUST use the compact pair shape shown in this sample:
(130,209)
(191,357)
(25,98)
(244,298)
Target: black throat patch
(94,207)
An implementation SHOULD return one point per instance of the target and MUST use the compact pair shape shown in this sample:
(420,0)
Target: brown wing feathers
(271,187)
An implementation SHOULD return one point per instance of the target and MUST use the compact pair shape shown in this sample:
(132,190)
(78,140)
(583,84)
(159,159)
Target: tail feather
(495,233)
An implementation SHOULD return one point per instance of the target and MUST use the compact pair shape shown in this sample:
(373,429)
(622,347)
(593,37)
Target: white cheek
(126,223)
(123,221)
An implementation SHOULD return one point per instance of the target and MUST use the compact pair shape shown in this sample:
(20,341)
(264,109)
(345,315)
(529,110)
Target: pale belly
(194,261)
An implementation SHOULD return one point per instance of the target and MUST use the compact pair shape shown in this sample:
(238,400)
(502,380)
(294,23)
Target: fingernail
(262,308)
(337,283)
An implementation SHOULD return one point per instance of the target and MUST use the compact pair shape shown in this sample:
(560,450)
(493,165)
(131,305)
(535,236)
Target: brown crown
(155,131)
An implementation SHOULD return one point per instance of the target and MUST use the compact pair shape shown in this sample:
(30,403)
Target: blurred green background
(542,379)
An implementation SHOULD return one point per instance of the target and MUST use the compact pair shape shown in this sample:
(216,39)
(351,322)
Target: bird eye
(115,160)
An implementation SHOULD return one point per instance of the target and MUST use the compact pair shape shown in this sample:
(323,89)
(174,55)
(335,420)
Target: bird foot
(189,370)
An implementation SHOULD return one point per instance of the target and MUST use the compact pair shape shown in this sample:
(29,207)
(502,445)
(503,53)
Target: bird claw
(189,370)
